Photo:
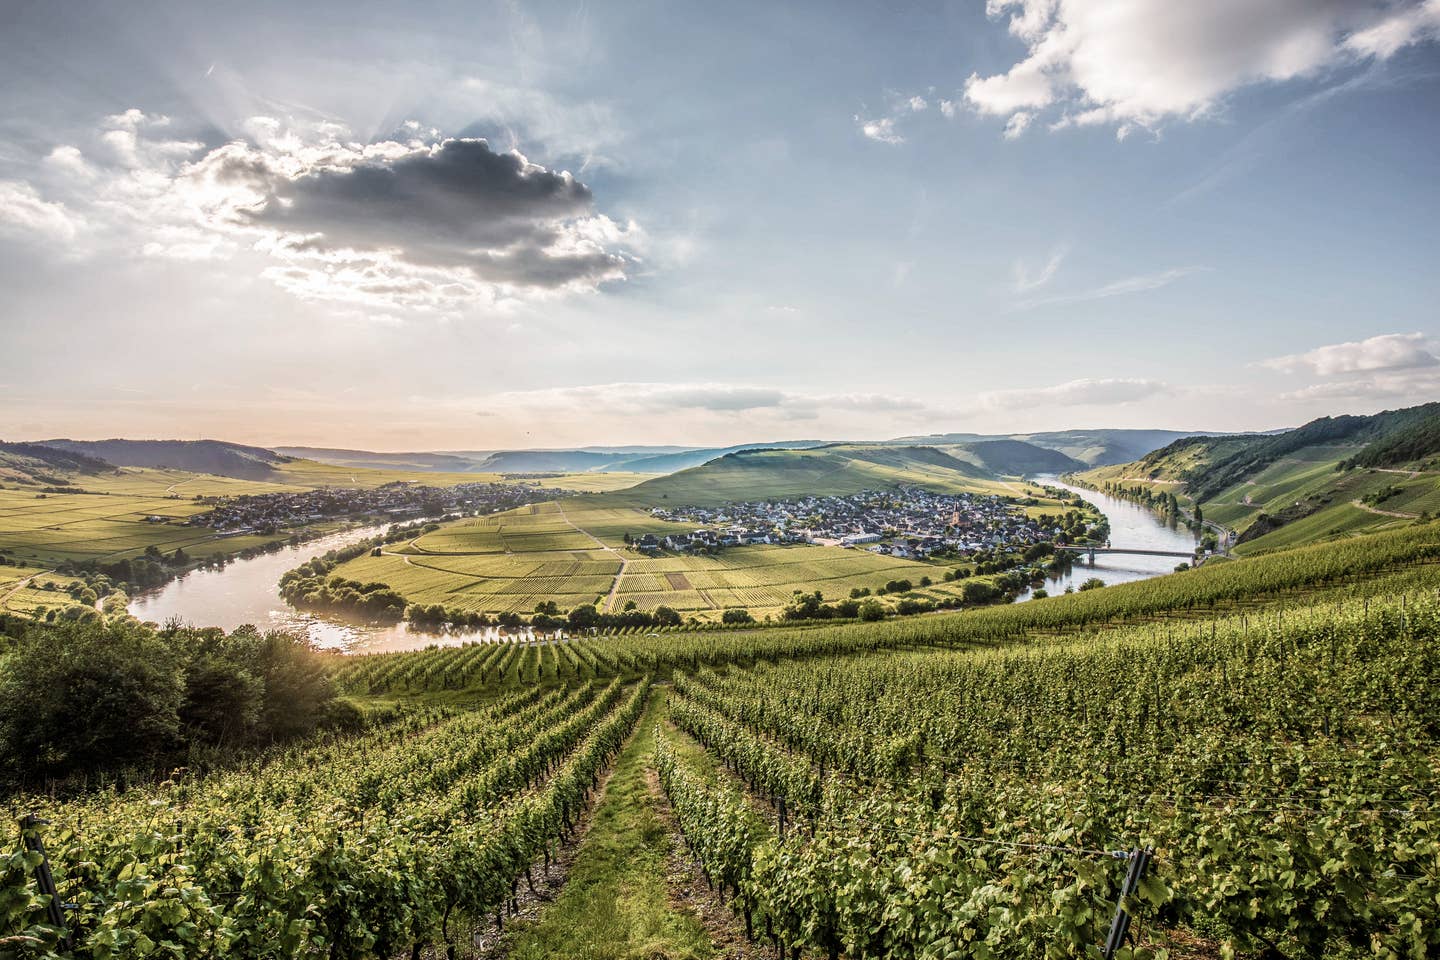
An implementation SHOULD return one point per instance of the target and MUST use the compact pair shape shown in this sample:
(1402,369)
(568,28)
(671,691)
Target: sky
(491,225)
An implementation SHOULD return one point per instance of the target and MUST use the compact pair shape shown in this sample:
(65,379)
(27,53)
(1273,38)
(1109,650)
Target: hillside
(836,469)
(197,456)
(1101,447)
(1013,457)
(33,464)
(1333,476)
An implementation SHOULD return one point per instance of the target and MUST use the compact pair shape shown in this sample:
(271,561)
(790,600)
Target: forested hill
(1333,476)
(199,456)
(32,464)
(1014,457)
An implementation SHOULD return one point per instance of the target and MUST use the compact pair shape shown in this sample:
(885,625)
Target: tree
(582,617)
(872,610)
(978,591)
(1094,583)
(83,696)
(738,615)
(666,617)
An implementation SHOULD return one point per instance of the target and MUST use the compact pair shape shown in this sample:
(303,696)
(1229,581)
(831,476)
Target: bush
(872,610)
(736,616)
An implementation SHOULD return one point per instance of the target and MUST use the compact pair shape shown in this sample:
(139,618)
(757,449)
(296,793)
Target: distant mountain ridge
(1096,448)
(197,456)
(33,463)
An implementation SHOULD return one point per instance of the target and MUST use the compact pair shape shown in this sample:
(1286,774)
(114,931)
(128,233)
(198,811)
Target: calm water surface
(248,591)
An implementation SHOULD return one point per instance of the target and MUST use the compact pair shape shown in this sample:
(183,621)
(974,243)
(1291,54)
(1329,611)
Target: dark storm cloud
(456,204)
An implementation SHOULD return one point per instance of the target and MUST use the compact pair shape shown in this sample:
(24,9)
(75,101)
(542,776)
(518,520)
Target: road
(19,585)
(1384,513)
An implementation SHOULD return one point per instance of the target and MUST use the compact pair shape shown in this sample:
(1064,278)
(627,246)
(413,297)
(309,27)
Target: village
(270,512)
(908,522)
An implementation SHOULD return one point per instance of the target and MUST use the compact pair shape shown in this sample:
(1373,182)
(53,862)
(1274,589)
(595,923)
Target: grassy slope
(616,902)
(833,470)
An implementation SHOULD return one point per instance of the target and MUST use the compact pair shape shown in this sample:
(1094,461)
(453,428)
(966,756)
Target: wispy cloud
(1075,393)
(649,399)
(1025,281)
(1118,288)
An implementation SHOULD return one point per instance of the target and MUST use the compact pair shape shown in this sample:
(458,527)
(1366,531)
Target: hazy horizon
(495,226)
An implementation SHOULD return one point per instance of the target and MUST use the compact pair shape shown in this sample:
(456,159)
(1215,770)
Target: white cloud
(423,223)
(1137,63)
(1402,388)
(881,130)
(1391,351)
(24,212)
(916,104)
(1017,123)
(949,108)
(1075,393)
(1117,288)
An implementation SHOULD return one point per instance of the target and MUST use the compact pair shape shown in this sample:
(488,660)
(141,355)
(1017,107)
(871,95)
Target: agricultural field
(573,552)
(308,474)
(51,528)
(23,589)
(108,520)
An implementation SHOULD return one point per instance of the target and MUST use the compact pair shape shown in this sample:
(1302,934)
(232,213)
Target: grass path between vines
(619,901)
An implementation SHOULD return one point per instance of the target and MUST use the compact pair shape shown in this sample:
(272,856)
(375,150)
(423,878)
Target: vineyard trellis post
(44,878)
(1139,859)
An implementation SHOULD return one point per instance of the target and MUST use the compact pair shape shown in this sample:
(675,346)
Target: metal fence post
(44,879)
(1120,925)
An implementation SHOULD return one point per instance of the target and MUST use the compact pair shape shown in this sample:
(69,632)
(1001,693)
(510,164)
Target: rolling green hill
(214,457)
(1334,476)
(837,469)
(1013,458)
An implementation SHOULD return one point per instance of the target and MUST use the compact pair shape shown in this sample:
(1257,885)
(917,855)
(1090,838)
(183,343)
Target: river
(1132,526)
(247,591)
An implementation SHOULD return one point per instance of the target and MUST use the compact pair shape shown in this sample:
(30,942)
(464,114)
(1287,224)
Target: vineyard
(943,804)
(973,784)
(361,847)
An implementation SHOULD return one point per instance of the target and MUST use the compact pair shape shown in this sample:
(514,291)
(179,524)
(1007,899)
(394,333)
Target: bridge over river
(1092,552)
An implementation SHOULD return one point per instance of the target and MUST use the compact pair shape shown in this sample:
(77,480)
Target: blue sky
(701,223)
